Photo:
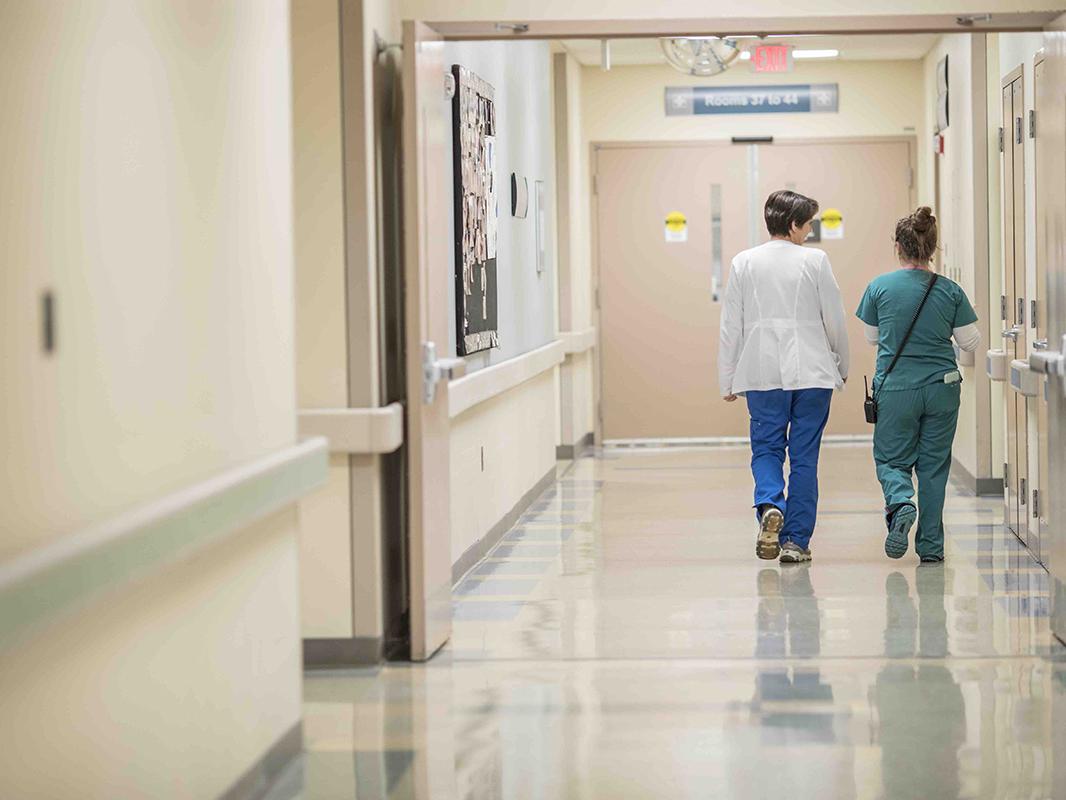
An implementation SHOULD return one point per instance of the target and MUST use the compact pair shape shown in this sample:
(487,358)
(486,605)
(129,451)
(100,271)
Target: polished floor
(623,641)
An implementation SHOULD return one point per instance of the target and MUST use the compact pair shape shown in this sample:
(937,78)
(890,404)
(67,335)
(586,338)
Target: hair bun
(923,219)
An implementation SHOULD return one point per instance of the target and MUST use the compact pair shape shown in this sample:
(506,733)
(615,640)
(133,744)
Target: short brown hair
(784,208)
(916,236)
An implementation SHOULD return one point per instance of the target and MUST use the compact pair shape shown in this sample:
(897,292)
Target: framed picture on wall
(475,196)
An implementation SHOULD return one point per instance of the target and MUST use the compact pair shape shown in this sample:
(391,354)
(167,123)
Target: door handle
(1011,334)
(1040,344)
(435,370)
(1051,363)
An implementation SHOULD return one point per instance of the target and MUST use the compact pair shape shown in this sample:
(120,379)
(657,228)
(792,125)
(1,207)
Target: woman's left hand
(730,398)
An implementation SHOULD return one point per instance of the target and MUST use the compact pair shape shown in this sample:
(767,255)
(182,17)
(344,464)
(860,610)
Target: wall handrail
(355,431)
(577,342)
(73,569)
(477,387)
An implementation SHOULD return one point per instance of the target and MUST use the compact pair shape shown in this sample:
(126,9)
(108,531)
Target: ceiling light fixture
(700,55)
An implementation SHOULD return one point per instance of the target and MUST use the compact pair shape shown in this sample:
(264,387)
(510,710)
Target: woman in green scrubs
(918,403)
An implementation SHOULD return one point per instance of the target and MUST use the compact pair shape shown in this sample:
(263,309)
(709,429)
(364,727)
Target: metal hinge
(910,177)
(597,293)
(595,184)
(1021,311)
(1006,475)
(1036,503)
(1018,130)
(1032,313)
(1023,491)
(599,410)
(1032,123)
(1003,306)
(1001,140)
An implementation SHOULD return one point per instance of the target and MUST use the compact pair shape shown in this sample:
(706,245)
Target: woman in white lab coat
(784,346)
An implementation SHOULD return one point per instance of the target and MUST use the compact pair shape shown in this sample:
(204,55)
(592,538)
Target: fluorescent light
(745,55)
(815,53)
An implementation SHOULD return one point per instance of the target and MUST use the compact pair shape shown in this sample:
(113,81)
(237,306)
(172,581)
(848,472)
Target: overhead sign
(817,98)
(771,58)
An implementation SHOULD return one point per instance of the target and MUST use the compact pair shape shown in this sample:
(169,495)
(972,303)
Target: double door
(662,277)
(1015,313)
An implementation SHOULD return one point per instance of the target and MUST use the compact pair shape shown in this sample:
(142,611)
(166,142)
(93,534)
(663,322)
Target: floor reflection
(920,707)
(793,707)
(643,652)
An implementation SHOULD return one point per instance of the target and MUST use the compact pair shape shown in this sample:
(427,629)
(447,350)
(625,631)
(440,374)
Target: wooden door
(426,275)
(658,317)
(840,175)
(1017,467)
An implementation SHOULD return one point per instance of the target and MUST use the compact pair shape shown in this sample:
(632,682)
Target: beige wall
(337,323)
(151,155)
(956,215)
(326,602)
(575,313)
(169,688)
(155,200)
(516,430)
(877,98)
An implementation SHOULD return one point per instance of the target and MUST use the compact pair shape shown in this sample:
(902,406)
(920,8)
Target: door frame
(416,246)
(1018,404)
(1038,310)
(910,140)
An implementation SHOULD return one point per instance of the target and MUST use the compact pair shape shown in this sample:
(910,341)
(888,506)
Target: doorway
(661,290)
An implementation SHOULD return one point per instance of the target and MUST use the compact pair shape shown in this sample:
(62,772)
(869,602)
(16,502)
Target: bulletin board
(476,212)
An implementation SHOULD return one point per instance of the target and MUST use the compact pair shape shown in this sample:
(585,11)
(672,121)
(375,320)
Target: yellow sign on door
(676,227)
(832,224)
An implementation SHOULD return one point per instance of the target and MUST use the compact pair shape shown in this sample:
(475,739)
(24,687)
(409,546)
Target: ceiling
(886,47)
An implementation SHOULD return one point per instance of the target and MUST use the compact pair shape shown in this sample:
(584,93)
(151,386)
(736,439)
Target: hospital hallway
(622,640)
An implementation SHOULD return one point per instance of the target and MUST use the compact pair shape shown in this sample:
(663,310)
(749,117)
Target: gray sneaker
(899,529)
(792,553)
(767,547)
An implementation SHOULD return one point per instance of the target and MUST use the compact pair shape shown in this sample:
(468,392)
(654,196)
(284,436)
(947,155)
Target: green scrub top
(889,303)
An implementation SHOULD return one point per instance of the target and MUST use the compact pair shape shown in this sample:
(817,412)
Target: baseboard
(568,452)
(481,547)
(982,487)
(359,651)
(259,780)
(726,441)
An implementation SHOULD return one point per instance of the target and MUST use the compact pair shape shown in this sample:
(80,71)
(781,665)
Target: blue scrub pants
(794,421)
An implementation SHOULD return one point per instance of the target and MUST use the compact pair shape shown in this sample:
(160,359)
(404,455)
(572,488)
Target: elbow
(969,345)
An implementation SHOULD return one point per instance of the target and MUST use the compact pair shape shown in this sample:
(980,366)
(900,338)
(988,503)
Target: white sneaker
(792,553)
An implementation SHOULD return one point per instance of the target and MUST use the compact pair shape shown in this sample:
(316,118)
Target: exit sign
(771,58)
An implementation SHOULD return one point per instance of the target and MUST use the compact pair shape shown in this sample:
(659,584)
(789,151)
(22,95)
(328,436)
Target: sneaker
(899,529)
(770,524)
(792,553)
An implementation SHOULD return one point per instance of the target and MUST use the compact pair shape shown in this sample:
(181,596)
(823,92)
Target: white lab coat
(783,322)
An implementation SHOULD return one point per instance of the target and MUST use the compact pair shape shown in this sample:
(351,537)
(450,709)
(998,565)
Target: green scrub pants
(914,432)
